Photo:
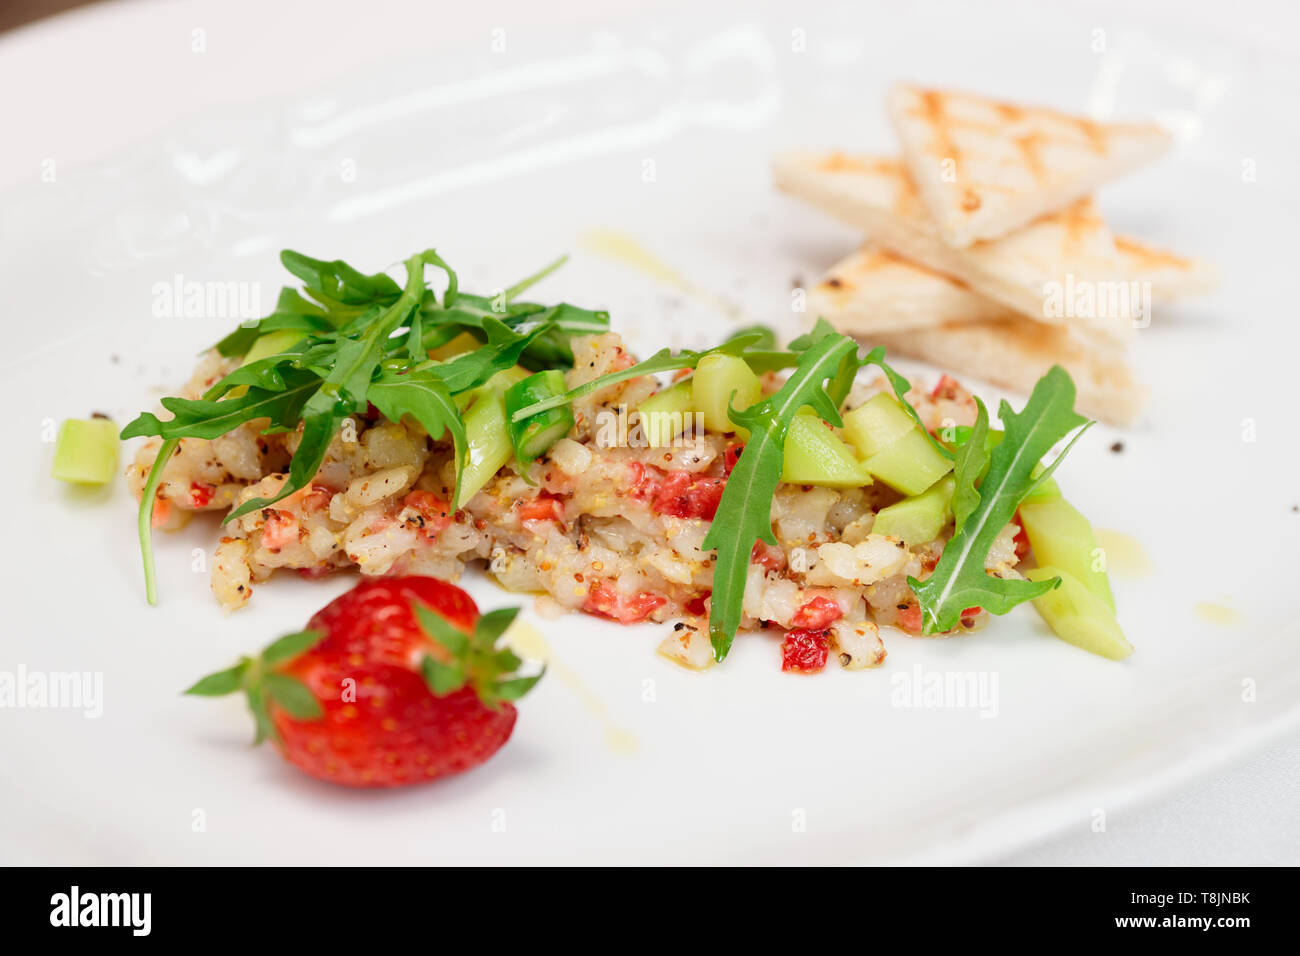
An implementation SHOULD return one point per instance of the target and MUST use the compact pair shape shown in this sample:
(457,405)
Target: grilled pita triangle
(875,290)
(1032,271)
(985,168)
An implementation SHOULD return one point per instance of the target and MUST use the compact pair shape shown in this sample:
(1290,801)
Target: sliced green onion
(534,435)
(487,446)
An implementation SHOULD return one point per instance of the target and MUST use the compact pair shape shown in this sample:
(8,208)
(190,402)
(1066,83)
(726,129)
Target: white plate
(504,160)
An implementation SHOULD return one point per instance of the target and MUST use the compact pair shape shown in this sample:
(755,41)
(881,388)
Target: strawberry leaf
(443,679)
(292,696)
(222,682)
(515,688)
(264,728)
(440,631)
(474,660)
(263,685)
(492,625)
(286,648)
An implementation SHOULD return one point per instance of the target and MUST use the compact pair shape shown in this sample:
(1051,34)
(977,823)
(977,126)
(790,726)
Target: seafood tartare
(383,427)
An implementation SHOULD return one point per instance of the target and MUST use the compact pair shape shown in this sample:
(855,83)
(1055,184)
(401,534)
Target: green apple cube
(667,414)
(85,451)
(721,381)
(894,449)
(876,424)
(815,455)
(920,518)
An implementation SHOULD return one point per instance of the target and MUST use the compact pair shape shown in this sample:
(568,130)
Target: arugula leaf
(901,387)
(504,348)
(744,513)
(292,311)
(959,580)
(969,467)
(525,284)
(321,418)
(423,395)
(338,281)
(822,329)
(205,418)
(347,383)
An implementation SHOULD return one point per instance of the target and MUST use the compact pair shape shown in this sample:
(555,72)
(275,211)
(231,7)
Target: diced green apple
(721,381)
(85,451)
(667,414)
(1077,615)
(920,518)
(876,424)
(910,465)
(1063,538)
(815,455)
(894,449)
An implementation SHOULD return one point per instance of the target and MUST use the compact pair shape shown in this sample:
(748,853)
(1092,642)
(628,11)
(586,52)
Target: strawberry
(397,681)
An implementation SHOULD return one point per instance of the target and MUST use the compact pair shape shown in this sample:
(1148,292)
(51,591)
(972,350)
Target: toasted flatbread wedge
(985,168)
(875,290)
(1015,354)
(1172,276)
(1069,249)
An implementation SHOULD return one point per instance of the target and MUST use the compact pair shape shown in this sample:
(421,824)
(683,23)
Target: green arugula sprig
(744,514)
(364,340)
(1004,478)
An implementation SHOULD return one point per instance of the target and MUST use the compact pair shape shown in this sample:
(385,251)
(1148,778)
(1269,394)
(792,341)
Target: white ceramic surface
(502,158)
